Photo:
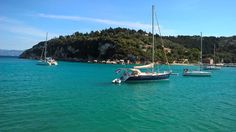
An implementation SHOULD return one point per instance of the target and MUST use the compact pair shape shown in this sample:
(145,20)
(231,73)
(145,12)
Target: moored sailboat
(44,60)
(197,73)
(135,73)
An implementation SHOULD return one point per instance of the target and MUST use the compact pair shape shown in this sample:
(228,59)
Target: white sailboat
(135,74)
(197,73)
(44,60)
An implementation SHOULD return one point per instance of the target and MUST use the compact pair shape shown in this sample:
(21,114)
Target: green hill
(122,43)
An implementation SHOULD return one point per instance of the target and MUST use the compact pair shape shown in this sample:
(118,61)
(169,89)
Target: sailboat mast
(214,54)
(201,52)
(153,9)
(45,52)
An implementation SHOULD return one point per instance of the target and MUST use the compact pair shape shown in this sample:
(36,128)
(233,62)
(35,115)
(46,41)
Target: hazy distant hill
(127,44)
(10,52)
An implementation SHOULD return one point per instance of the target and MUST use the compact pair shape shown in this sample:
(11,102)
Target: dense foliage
(122,43)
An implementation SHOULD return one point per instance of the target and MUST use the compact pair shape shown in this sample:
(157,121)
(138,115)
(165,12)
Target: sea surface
(80,97)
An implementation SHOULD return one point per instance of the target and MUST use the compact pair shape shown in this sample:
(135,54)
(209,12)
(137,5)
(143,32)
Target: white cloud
(135,25)
(97,20)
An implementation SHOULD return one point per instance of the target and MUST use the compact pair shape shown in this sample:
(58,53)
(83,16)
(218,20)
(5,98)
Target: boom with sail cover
(144,66)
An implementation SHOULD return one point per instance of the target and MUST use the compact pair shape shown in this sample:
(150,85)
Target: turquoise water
(81,97)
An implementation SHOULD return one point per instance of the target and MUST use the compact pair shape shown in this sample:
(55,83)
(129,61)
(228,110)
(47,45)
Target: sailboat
(197,73)
(44,60)
(212,67)
(135,73)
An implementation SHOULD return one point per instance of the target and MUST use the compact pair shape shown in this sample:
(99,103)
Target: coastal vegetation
(133,45)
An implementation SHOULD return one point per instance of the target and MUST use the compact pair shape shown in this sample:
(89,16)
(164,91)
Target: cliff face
(77,50)
(126,44)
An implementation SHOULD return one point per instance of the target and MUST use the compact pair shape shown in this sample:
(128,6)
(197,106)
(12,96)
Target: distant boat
(197,73)
(44,60)
(219,64)
(213,66)
(135,74)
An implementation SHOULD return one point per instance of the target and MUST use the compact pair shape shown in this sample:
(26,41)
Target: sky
(24,23)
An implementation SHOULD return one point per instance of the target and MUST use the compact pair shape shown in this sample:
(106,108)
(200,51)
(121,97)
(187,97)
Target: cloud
(135,25)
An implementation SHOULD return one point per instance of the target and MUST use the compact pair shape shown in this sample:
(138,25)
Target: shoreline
(122,62)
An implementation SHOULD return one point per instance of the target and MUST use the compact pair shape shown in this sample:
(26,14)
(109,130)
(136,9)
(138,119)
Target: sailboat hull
(211,68)
(197,74)
(43,63)
(149,77)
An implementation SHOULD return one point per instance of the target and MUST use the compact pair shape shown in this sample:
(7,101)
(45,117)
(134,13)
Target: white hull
(47,63)
(211,68)
(53,63)
(197,73)
(117,81)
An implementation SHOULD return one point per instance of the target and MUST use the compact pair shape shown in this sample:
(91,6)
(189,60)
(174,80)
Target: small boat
(44,60)
(135,73)
(211,67)
(117,80)
(219,64)
(197,73)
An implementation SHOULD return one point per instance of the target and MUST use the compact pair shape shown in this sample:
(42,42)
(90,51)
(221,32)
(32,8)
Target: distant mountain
(4,52)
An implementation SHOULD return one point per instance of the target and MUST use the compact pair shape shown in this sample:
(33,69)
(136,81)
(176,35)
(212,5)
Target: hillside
(122,43)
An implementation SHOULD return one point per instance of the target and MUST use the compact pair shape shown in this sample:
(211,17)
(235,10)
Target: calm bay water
(81,97)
